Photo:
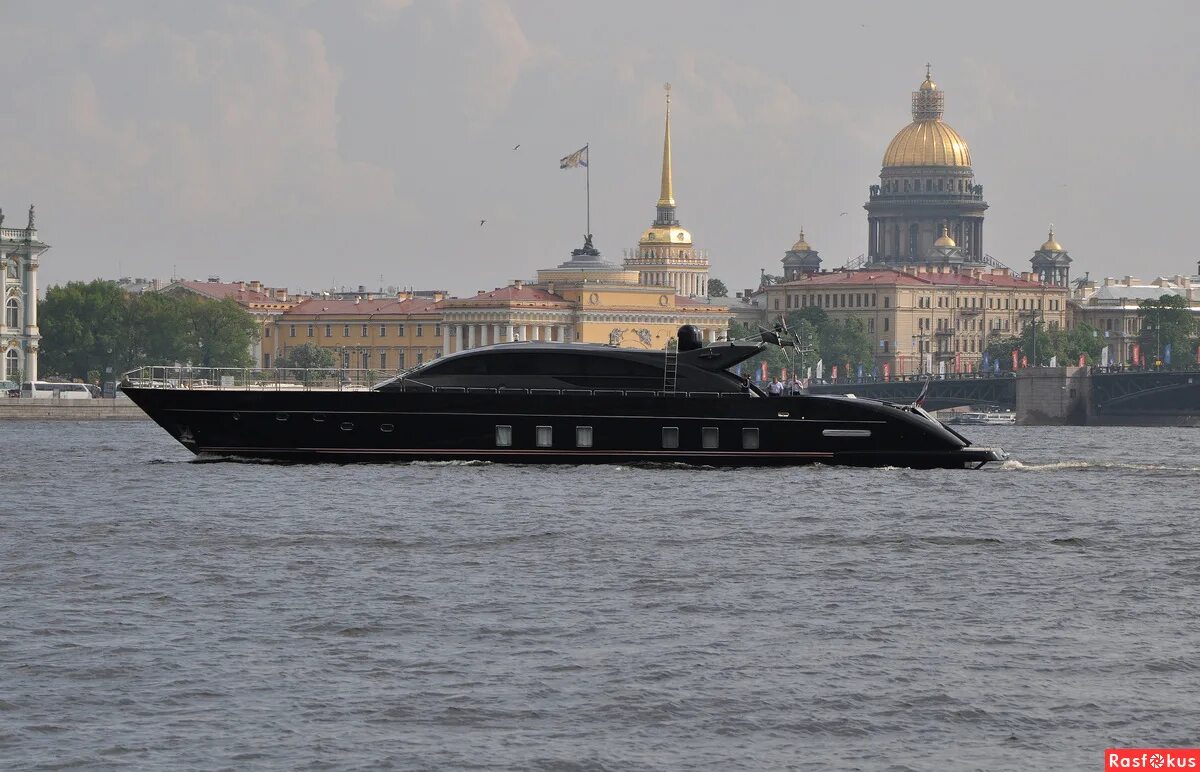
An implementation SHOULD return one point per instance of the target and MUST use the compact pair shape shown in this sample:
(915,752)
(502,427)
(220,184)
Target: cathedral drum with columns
(20,249)
(926,181)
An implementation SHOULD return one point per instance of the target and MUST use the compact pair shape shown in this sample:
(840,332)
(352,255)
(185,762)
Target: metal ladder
(670,366)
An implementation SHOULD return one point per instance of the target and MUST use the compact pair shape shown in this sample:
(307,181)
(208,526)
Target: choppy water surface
(159,612)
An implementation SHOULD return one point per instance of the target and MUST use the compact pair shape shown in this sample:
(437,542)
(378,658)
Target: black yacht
(538,403)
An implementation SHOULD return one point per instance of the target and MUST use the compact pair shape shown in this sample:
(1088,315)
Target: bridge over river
(1052,395)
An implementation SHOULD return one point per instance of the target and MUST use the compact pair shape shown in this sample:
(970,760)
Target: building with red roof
(263,303)
(936,317)
(383,334)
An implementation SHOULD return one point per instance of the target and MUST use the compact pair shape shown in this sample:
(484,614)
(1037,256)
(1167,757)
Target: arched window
(11,316)
(10,362)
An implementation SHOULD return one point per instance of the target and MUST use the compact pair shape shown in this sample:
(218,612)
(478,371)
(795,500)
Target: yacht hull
(530,428)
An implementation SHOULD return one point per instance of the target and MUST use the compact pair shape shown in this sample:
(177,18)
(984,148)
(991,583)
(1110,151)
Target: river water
(160,612)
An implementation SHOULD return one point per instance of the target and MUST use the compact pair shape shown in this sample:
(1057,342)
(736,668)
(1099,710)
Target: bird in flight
(516,146)
(481,222)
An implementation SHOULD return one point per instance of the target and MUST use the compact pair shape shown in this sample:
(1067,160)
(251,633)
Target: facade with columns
(582,300)
(665,254)
(20,250)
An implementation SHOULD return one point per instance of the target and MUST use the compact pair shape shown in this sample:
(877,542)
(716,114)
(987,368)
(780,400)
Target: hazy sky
(315,143)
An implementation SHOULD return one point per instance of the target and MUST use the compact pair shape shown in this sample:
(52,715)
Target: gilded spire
(666,196)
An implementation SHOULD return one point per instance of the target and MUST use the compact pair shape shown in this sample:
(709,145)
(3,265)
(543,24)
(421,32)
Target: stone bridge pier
(1053,396)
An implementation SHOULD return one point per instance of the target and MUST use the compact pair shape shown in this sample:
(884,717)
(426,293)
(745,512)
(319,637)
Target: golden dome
(802,244)
(1051,245)
(659,235)
(944,240)
(927,143)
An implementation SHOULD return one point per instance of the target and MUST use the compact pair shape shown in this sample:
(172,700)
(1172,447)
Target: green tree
(309,356)
(219,333)
(91,326)
(1166,321)
(1000,350)
(1080,340)
(83,328)
(846,342)
(717,289)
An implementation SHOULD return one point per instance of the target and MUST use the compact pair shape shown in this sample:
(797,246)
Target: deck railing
(255,379)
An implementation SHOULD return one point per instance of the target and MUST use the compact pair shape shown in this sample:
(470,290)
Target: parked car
(47,390)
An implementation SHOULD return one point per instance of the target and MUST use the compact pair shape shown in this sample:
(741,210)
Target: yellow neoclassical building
(582,300)
(381,334)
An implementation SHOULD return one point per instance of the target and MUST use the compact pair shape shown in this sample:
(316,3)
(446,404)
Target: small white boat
(1006,418)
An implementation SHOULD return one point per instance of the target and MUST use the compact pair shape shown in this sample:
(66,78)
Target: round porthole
(663,300)
(386,428)
(593,298)
(347,426)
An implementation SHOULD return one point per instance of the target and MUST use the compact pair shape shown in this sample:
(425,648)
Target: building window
(437,330)
(382,360)
(366,333)
(310,330)
(886,324)
(266,332)
(750,439)
(266,360)
(400,330)
(420,330)
(870,325)
(345,331)
(883,344)
(583,436)
(291,330)
(399,360)
(420,357)
(503,436)
(383,330)
(329,331)
(887,302)
(11,316)
(544,436)
(670,437)
(710,437)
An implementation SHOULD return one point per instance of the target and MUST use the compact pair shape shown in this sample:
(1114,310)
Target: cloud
(193,123)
